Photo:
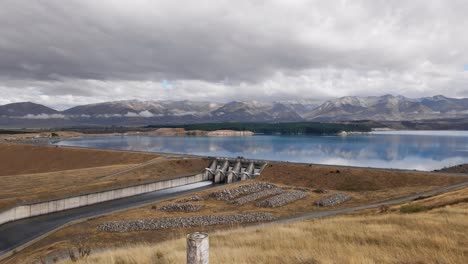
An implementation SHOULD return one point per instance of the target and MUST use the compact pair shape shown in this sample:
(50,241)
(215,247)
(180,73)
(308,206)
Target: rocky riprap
(190,199)
(320,190)
(282,199)
(333,200)
(179,208)
(184,222)
(230,194)
(255,196)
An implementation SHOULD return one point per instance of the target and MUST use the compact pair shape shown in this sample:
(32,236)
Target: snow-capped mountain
(137,113)
(389,107)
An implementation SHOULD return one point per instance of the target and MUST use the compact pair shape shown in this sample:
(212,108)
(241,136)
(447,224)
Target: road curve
(19,234)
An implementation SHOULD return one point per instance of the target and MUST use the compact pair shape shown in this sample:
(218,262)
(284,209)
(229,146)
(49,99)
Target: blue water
(420,150)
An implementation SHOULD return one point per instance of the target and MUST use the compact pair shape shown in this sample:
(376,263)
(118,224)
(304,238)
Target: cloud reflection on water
(400,151)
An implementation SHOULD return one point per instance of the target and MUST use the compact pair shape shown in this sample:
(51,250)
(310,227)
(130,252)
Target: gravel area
(190,199)
(333,200)
(184,222)
(232,193)
(282,199)
(255,196)
(179,208)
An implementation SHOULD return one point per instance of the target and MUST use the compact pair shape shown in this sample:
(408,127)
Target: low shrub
(412,208)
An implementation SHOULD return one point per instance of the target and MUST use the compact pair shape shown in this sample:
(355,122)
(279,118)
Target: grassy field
(437,235)
(50,173)
(26,159)
(352,179)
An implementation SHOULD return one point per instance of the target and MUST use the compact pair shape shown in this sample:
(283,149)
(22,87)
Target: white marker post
(198,248)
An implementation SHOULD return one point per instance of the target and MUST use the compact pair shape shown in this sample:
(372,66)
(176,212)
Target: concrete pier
(211,171)
(234,173)
(221,172)
(248,173)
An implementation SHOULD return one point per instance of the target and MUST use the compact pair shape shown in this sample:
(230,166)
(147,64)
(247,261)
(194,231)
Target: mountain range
(137,113)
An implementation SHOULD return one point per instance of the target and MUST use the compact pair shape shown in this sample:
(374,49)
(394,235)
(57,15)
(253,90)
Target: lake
(420,150)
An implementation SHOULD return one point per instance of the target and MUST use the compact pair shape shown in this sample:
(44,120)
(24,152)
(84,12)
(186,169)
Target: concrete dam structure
(224,170)
(221,170)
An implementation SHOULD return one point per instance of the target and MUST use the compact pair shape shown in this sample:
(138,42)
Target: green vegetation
(412,208)
(275,128)
(12,132)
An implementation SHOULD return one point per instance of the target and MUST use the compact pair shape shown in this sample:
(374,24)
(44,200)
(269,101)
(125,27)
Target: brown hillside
(26,159)
(352,179)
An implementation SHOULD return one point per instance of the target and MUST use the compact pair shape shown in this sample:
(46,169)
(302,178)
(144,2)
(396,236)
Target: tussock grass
(437,236)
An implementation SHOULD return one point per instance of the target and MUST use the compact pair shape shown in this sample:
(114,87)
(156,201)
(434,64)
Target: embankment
(30,210)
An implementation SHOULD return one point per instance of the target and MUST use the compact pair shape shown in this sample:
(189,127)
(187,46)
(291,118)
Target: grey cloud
(68,52)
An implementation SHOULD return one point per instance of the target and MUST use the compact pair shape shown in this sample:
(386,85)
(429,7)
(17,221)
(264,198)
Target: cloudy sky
(64,53)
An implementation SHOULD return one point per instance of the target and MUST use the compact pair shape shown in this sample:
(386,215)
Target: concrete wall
(29,210)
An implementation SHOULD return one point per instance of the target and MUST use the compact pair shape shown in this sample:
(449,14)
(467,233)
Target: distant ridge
(136,112)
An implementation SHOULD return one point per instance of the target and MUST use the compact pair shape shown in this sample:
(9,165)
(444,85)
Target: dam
(225,170)
(220,171)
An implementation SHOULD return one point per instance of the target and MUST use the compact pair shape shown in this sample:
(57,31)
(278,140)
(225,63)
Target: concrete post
(198,248)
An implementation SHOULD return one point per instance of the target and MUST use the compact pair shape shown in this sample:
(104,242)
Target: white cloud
(145,113)
(44,116)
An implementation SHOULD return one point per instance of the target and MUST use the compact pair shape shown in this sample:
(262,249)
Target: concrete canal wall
(40,208)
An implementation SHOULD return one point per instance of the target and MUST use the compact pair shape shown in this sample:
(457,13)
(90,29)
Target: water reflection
(421,151)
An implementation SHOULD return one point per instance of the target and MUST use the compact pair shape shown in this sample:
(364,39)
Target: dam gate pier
(229,170)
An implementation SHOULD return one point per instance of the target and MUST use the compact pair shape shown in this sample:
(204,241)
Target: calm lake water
(421,150)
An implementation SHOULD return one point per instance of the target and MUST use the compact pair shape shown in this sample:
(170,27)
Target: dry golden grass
(61,240)
(48,172)
(437,236)
(53,185)
(165,168)
(27,159)
(352,179)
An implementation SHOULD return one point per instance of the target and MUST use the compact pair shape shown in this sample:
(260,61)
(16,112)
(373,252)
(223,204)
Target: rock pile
(190,199)
(184,222)
(230,194)
(333,200)
(320,190)
(180,208)
(282,199)
(255,196)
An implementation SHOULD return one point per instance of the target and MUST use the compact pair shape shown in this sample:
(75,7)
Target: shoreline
(185,155)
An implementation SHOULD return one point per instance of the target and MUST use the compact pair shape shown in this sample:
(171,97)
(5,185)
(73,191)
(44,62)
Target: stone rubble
(282,199)
(183,222)
(179,208)
(190,199)
(320,190)
(230,194)
(333,200)
(255,196)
